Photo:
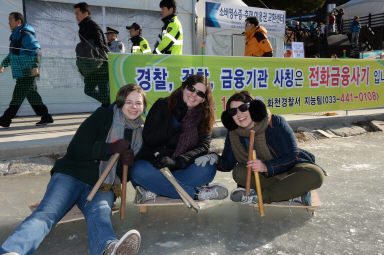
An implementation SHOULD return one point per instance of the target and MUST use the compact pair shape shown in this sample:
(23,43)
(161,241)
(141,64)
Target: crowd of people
(176,134)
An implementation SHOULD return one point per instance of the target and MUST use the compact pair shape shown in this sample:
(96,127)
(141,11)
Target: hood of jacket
(251,33)
(16,34)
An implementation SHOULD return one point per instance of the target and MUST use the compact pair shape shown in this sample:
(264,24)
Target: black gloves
(127,158)
(166,161)
(119,146)
(123,147)
(258,110)
(180,109)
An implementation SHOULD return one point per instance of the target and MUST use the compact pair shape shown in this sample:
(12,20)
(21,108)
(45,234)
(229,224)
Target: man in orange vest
(256,40)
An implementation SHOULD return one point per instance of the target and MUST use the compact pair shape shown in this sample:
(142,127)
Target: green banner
(286,85)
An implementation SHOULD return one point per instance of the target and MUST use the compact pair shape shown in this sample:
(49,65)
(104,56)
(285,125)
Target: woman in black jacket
(178,130)
(107,131)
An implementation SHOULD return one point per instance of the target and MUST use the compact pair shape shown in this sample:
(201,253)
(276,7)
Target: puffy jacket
(257,43)
(171,37)
(140,45)
(355,26)
(281,143)
(23,51)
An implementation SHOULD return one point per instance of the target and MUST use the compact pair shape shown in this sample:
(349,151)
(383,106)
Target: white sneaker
(11,253)
(129,244)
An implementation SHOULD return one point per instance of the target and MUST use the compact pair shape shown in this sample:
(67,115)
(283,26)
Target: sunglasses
(243,108)
(193,89)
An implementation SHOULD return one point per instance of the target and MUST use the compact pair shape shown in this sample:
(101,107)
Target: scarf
(119,124)
(241,154)
(189,136)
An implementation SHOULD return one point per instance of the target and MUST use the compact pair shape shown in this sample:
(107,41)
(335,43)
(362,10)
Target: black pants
(96,84)
(25,88)
(301,178)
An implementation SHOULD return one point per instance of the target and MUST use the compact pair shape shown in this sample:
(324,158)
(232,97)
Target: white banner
(233,17)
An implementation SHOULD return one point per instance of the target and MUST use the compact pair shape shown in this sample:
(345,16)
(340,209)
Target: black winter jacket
(161,134)
(90,31)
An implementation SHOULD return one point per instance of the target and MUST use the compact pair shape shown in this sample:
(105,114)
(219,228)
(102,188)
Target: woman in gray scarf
(286,171)
(116,129)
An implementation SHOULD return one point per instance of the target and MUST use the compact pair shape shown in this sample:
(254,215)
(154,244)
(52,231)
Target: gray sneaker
(212,192)
(129,244)
(238,195)
(305,199)
(144,195)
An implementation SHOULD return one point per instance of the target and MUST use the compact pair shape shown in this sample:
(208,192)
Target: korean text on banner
(286,85)
(228,16)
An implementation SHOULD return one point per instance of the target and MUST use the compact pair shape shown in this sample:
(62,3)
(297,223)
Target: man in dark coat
(92,55)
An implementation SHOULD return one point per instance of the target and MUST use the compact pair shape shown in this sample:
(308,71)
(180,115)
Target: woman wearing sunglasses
(287,172)
(178,130)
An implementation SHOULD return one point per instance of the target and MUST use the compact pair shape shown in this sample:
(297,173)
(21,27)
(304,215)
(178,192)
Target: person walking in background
(92,55)
(114,44)
(322,30)
(331,25)
(139,43)
(340,21)
(172,31)
(355,30)
(23,57)
(256,40)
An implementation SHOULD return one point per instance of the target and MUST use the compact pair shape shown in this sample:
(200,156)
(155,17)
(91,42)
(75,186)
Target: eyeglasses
(248,24)
(198,92)
(243,108)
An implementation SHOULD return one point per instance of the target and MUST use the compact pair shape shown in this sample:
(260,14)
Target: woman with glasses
(286,172)
(107,131)
(177,130)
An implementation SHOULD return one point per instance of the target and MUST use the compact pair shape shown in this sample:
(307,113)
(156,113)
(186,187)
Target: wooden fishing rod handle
(123,192)
(189,202)
(102,177)
(250,154)
(258,189)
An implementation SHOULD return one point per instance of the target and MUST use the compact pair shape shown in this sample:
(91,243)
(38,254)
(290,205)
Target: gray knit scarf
(241,154)
(119,124)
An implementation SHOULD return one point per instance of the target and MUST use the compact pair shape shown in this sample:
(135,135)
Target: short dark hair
(126,90)
(252,20)
(83,6)
(18,16)
(169,4)
(243,96)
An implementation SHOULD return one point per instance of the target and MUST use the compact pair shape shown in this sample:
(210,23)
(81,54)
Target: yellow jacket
(257,43)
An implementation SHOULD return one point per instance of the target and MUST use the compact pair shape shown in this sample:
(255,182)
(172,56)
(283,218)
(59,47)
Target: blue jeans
(63,191)
(144,174)
(355,39)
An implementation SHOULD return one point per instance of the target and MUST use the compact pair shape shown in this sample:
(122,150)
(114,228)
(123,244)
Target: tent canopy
(361,8)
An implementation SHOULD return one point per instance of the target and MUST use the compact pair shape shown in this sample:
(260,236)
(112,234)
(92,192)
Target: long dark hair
(206,108)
